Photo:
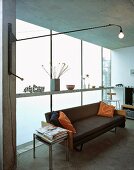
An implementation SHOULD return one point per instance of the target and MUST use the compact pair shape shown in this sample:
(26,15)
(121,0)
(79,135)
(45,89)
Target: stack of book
(52,132)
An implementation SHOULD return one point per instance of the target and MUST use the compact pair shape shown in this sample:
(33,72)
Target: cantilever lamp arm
(12,39)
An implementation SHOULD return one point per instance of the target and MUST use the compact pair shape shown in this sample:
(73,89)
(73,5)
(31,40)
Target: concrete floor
(107,152)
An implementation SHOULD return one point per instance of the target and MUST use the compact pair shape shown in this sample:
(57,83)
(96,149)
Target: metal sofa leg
(114,131)
(79,149)
(122,125)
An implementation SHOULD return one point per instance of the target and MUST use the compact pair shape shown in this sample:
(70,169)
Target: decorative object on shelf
(101,86)
(93,86)
(86,83)
(55,84)
(119,85)
(70,87)
(131,72)
(57,71)
(34,89)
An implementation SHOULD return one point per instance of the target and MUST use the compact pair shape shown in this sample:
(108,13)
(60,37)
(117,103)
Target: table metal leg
(50,158)
(33,145)
(50,149)
(67,150)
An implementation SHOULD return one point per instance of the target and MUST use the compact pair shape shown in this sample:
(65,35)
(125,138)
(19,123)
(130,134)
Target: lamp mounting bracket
(11,39)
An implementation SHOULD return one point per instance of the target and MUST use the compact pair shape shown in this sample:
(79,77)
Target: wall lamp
(120,35)
(12,38)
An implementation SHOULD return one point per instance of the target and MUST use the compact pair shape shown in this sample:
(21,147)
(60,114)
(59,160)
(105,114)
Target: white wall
(122,61)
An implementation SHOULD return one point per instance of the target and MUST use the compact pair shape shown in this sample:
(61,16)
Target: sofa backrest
(77,113)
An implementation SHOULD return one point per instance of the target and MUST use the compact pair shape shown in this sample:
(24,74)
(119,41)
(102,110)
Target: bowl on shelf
(70,87)
(93,86)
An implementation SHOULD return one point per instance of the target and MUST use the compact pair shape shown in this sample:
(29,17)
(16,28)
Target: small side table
(50,143)
(129,111)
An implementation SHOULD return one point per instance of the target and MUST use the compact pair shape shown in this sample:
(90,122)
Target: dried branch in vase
(57,71)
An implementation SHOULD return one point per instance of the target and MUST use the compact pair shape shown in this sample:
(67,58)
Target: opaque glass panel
(62,101)
(92,68)
(30,56)
(91,97)
(29,114)
(92,64)
(67,50)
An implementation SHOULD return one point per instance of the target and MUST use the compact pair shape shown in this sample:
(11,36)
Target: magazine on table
(52,132)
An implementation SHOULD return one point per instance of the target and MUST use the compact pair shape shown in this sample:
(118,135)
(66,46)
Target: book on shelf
(52,132)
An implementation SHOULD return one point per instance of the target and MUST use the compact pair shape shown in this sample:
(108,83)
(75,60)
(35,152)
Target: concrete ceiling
(64,15)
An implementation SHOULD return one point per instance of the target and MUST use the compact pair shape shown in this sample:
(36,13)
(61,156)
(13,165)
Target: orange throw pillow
(106,110)
(65,122)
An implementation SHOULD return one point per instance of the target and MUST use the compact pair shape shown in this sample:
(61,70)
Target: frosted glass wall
(32,54)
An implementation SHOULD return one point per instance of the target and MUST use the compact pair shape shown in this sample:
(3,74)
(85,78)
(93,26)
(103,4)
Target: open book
(52,132)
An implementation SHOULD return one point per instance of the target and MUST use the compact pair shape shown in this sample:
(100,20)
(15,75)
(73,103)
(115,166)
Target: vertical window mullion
(51,97)
(102,72)
(81,72)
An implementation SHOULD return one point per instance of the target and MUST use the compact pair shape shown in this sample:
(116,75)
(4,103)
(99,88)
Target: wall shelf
(20,95)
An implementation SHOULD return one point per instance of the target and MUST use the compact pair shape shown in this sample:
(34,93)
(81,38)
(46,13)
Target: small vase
(87,82)
(55,84)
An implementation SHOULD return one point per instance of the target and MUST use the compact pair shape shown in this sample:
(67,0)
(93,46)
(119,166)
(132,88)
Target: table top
(46,140)
(128,106)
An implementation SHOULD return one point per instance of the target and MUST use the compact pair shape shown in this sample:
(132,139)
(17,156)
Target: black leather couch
(88,124)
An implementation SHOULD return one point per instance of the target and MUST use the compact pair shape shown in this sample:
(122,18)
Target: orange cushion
(65,122)
(106,110)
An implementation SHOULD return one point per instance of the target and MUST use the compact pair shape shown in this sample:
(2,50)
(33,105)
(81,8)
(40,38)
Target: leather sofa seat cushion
(91,125)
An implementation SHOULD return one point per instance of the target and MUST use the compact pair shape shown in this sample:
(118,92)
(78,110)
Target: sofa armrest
(70,140)
(48,116)
(43,123)
(120,112)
